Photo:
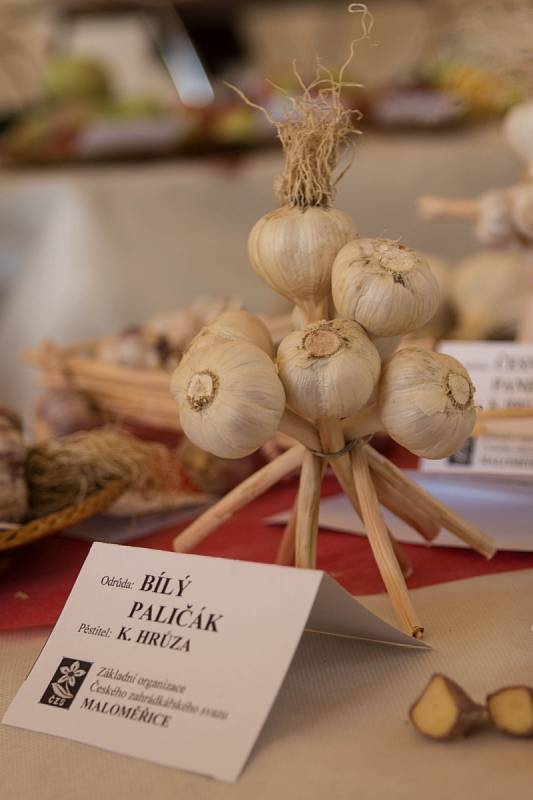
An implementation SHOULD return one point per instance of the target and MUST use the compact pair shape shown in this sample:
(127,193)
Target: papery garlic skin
(386,346)
(234,326)
(293,250)
(385,286)
(426,402)
(329,369)
(230,398)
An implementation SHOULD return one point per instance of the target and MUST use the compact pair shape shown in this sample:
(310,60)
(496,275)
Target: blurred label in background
(502,373)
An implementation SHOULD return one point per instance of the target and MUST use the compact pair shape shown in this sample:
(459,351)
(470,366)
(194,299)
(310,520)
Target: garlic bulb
(329,369)
(293,250)
(488,294)
(426,402)
(494,226)
(518,130)
(230,398)
(233,326)
(384,286)
(386,346)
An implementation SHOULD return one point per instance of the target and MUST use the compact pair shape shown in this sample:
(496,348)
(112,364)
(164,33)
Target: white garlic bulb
(329,369)
(386,346)
(233,326)
(230,398)
(494,225)
(488,292)
(384,286)
(518,130)
(426,402)
(293,250)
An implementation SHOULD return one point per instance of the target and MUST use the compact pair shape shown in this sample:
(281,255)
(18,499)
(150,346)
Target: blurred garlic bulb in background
(426,402)
(329,369)
(293,250)
(232,326)
(230,398)
(130,349)
(488,292)
(494,226)
(384,286)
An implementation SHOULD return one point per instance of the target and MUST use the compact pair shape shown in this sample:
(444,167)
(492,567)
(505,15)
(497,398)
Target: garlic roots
(230,398)
(329,369)
(293,250)
(384,286)
(426,402)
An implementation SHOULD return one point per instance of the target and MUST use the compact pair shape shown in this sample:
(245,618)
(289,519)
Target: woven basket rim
(57,521)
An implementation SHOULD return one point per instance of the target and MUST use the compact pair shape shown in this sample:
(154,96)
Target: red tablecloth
(35,581)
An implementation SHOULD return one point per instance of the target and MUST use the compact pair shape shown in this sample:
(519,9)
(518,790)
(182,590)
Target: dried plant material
(316,131)
(62,473)
(444,710)
(13,492)
(511,710)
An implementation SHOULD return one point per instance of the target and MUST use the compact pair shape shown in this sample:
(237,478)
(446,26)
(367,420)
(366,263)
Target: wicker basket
(54,523)
(136,396)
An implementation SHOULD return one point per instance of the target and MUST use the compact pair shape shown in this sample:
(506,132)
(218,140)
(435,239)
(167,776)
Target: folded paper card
(501,508)
(178,658)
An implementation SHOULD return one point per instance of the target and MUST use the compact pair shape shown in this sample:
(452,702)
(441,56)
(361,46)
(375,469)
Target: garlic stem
(381,545)
(429,505)
(300,429)
(307,506)
(285,554)
(247,491)
(364,423)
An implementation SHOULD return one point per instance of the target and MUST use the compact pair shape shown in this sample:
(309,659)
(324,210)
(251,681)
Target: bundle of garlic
(333,382)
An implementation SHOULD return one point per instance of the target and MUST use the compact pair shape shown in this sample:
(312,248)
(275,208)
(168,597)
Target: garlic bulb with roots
(384,286)
(230,398)
(293,250)
(426,402)
(329,369)
(234,326)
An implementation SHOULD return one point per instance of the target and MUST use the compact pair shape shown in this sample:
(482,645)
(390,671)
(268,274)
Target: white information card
(178,658)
